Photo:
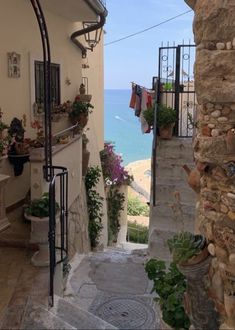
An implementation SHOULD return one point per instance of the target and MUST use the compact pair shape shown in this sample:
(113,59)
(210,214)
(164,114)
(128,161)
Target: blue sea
(123,128)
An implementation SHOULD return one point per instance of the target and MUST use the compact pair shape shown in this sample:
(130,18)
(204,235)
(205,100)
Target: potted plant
(18,152)
(38,213)
(170,286)
(166,118)
(187,248)
(80,111)
(190,253)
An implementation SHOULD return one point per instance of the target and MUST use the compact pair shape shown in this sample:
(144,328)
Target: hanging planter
(18,162)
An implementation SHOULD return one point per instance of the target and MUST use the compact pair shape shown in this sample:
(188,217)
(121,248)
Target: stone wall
(78,225)
(214,146)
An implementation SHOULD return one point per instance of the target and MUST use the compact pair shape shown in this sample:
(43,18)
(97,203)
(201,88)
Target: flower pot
(39,234)
(198,258)
(166,132)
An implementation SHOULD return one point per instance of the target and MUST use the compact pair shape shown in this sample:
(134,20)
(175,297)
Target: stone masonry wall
(78,225)
(214,146)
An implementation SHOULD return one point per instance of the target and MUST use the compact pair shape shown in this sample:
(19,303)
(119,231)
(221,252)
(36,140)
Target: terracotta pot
(199,258)
(166,132)
(229,304)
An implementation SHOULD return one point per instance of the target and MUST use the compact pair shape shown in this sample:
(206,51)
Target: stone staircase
(64,315)
(175,200)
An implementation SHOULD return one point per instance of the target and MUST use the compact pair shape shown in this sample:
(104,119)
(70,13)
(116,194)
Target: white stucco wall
(19,32)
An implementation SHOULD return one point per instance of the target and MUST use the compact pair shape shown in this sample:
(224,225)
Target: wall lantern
(92,36)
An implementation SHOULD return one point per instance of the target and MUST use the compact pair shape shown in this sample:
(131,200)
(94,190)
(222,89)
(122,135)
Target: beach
(141,171)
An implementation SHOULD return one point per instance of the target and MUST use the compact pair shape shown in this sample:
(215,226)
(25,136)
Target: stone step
(37,317)
(172,170)
(76,316)
(179,148)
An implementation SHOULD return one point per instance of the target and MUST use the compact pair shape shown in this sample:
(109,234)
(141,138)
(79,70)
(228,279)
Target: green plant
(170,286)
(167,86)
(113,170)
(79,107)
(137,233)
(192,123)
(149,116)
(94,204)
(40,207)
(184,246)
(165,116)
(136,207)
(115,203)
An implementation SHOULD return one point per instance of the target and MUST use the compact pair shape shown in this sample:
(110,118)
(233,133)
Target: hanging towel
(144,100)
(133,97)
(138,91)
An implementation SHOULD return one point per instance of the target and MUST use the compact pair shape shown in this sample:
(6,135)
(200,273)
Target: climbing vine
(94,204)
(115,203)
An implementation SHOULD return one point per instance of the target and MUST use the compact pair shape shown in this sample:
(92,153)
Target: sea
(122,127)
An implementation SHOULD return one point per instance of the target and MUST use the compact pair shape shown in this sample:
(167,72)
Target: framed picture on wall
(13,65)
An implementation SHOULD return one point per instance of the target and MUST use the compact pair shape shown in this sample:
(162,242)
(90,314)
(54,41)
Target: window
(39,83)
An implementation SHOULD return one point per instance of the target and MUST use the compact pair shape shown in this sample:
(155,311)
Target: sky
(135,59)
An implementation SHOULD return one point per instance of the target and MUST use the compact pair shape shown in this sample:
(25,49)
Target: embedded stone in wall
(215,76)
(214,21)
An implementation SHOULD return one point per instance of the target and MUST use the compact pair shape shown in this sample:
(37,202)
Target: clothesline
(148,89)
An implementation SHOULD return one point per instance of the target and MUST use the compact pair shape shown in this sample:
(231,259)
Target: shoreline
(141,171)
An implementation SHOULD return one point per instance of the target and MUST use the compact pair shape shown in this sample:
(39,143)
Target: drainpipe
(97,7)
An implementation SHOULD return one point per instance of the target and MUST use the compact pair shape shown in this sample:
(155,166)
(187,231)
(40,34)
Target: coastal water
(123,128)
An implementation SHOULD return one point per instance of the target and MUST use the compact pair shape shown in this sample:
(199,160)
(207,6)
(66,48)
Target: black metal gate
(175,87)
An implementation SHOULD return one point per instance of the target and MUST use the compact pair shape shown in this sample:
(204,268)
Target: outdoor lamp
(92,37)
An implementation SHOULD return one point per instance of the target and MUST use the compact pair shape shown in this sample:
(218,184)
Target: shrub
(137,233)
(170,286)
(136,207)
(94,204)
(115,203)
(113,170)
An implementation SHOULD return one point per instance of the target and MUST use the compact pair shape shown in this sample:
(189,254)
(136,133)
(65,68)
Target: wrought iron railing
(58,222)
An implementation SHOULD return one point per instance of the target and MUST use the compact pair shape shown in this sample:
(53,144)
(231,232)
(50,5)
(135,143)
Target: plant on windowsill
(170,286)
(80,112)
(18,152)
(38,213)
